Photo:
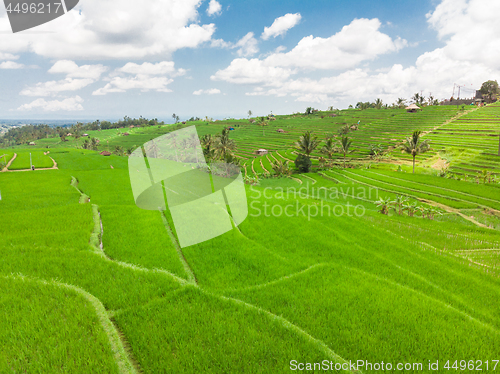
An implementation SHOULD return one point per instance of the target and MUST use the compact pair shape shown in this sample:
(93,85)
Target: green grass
(46,328)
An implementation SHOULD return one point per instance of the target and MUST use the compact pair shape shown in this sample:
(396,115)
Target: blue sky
(222,58)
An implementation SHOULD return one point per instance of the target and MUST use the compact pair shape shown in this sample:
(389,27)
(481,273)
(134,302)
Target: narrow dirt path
(6,168)
(54,167)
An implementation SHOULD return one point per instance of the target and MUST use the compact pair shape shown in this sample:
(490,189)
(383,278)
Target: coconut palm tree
(401,102)
(329,148)
(414,146)
(307,143)
(379,103)
(224,146)
(207,143)
(344,145)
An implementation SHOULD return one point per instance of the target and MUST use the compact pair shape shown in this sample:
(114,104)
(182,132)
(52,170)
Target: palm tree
(416,98)
(307,143)
(330,147)
(344,145)
(224,146)
(207,142)
(378,103)
(415,146)
(401,102)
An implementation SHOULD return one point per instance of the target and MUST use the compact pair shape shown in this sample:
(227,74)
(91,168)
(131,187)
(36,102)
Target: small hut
(69,134)
(105,153)
(281,131)
(412,108)
(261,152)
(85,134)
(126,134)
(32,143)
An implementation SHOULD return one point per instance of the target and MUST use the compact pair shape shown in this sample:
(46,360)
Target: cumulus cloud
(54,87)
(144,77)
(147,68)
(72,70)
(470,55)
(247,46)
(69,105)
(281,25)
(8,56)
(210,91)
(142,82)
(355,43)
(113,29)
(11,65)
(359,41)
(214,8)
(77,77)
(244,71)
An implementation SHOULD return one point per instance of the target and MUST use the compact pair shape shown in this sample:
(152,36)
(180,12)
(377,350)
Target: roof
(105,153)
(262,150)
(413,106)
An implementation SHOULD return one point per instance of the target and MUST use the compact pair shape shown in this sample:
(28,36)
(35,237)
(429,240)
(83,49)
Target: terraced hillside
(290,283)
(471,142)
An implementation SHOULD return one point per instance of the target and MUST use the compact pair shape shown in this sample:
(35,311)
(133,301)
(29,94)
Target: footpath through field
(6,168)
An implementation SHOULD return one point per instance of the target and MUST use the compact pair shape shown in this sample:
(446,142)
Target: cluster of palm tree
(92,144)
(417,98)
(307,143)
(219,148)
(402,204)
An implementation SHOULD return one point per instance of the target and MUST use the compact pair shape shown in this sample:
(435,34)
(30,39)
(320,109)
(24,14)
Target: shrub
(303,163)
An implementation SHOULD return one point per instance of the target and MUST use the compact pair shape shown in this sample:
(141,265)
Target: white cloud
(356,42)
(54,87)
(244,71)
(247,45)
(142,82)
(281,25)
(210,91)
(214,8)
(70,104)
(8,56)
(113,29)
(77,77)
(72,70)
(10,65)
(147,77)
(359,41)
(468,28)
(160,68)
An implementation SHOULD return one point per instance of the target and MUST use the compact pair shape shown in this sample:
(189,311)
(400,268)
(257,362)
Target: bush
(303,163)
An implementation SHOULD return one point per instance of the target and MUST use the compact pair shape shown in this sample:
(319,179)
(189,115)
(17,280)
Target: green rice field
(314,274)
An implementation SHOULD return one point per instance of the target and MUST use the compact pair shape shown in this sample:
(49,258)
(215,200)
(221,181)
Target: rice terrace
(369,261)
